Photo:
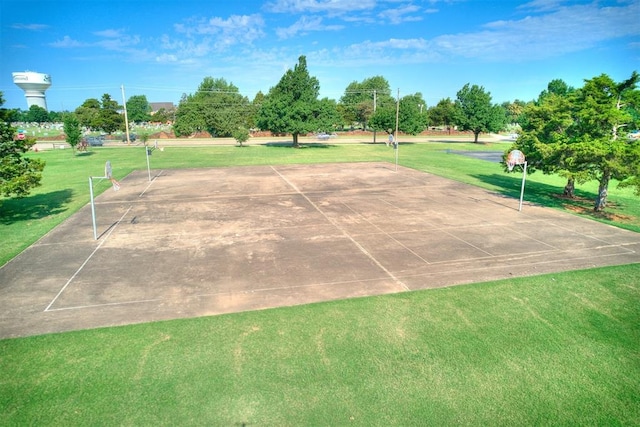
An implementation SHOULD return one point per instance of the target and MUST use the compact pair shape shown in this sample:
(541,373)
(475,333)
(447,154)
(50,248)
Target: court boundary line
(342,230)
(86,261)
(453,269)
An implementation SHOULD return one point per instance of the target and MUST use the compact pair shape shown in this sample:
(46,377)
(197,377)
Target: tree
(18,174)
(241,135)
(254,109)
(412,116)
(217,107)
(601,125)
(475,112)
(544,136)
(513,111)
(138,109)
(162,116)
(88,113)
(361,99)
(582,134)
(292,105)
(109,118)
(37,114)
(443,113)
(72,130)
(545,141)
(557,87)
(188,119)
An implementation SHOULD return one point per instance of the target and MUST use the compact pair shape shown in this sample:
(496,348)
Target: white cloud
(30,27)
(68,42)
(237,29)
(319,6)
(406,13)
(166,58)
(567,29)
(110,33)
(305,25)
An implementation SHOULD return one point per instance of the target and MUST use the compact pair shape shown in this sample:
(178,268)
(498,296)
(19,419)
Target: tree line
(292,106)
(581,134)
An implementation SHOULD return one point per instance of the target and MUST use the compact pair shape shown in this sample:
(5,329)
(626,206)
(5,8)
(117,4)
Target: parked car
(95,141)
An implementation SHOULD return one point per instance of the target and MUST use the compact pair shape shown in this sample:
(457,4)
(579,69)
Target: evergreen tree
(292,106)
(18,174)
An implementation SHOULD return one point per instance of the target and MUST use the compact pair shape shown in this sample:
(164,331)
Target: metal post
(93,210)
(396,143)
(146,153)
(524,177)
(375,101)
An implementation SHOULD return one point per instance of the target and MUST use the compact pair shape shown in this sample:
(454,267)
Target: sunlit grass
(65,187)
(561,349)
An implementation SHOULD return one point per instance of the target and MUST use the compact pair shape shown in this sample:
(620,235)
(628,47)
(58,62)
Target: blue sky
(162,48)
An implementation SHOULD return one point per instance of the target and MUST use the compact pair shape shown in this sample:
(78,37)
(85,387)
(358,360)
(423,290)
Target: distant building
(157,106)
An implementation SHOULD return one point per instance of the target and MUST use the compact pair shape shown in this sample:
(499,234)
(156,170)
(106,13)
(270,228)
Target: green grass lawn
(561,349)
(558,349)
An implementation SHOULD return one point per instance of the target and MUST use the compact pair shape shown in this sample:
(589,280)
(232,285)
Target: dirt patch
(584,206)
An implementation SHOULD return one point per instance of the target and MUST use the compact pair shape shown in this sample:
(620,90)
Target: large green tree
(544,135)
(110,119)
(138,109)
(292,106)
(443,113)
(18,174)
(475,112)
(602,118)
(412,116)
(37,114)
(582,134)
(88,113)
(361,99)
(217,107)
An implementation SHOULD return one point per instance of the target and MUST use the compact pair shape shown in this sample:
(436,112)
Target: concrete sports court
(202,242)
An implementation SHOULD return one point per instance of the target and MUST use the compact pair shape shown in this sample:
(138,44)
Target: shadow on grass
(301,145)
(84,153)
(551,196)
(34,207)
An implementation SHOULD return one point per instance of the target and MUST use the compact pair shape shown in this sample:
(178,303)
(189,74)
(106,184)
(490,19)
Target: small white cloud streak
(30,27)
(305,25)
(319,6)
(237,29)
(401,14)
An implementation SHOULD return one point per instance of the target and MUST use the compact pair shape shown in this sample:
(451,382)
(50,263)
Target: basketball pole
(93,206)
(146,152)
(524,177)
(396,144)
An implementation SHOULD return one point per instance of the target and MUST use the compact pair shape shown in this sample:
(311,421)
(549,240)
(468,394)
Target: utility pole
(374,111)
(126,119)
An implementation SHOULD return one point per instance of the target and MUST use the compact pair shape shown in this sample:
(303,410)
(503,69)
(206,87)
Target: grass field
(561,349)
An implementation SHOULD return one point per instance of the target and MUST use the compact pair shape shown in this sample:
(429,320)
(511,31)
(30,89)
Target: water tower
(34,85)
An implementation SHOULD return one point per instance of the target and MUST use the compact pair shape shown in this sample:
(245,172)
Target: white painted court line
(343,231)
(150,182)
(86,261)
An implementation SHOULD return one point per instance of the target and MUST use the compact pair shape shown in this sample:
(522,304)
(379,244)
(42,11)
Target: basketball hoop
(109,175)
(515,157)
